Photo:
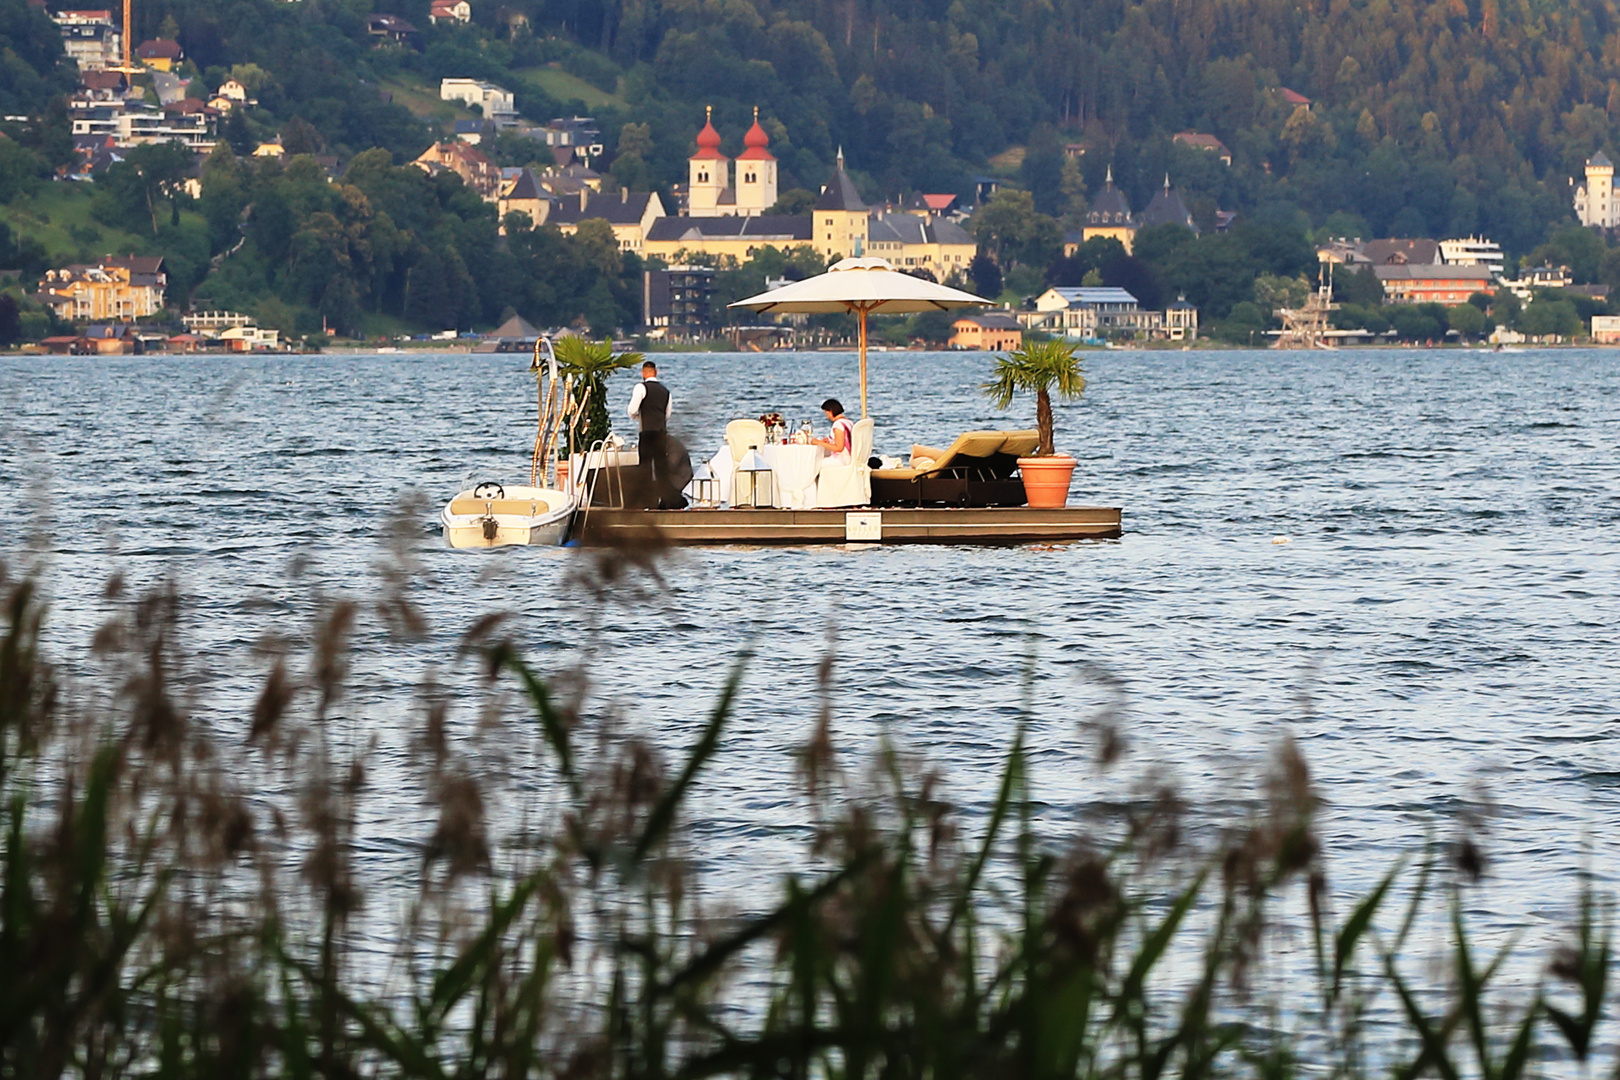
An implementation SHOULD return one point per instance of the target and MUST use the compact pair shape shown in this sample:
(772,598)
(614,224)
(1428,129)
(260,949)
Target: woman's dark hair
(833,405)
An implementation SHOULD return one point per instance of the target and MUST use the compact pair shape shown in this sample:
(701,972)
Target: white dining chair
(848,485)
(741,434)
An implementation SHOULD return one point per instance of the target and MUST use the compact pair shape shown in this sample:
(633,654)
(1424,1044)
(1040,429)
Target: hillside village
(246,251)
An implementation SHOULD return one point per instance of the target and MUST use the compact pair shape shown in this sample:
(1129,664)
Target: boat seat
(970,450)
(517,507)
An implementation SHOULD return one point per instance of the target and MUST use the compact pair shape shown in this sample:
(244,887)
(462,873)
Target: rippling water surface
(1445,599)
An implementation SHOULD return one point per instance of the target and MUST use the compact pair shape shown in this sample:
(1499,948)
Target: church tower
(1111,215)
(839,217)
(706,171)
(756,172)
(1600,208)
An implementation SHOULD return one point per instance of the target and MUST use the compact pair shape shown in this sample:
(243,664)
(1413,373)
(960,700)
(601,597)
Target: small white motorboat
(490,515)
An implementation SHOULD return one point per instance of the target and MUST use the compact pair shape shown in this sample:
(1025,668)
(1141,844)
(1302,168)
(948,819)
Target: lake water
(1452,522)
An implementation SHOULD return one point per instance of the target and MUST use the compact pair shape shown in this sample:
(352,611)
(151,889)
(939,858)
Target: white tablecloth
(793,473)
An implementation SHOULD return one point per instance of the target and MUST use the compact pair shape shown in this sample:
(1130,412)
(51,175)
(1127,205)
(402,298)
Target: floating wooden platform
(918,525)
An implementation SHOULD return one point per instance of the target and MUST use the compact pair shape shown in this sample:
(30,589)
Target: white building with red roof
(450,11)
(756,173)
(719,187)
(708,174)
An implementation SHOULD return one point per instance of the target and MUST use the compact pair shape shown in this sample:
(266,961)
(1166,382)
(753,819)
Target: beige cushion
(517,507)
(973,444)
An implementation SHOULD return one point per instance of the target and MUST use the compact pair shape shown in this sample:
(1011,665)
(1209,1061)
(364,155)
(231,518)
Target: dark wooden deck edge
(1018,525)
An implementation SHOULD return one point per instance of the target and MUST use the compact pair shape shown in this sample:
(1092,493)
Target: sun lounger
(975,470)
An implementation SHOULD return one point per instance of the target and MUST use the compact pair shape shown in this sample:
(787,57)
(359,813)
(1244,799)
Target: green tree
(19,171)
(1357,286)
(299,136)
(1010,229)
(1546,317)
(1244,325)
(236,132)
(985,274)
(1040,368)
(11,330)
(934,327)
(1417,322)
(588,364)
(152,174)
(1578,248)
(1272,292)
(630,169)
(1469,321)
(794,201)
(1506,308)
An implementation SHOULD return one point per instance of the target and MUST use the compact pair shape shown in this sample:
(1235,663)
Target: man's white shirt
(639,392)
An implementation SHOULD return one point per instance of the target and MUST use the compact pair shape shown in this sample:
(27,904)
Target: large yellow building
(117,289)
(631,216)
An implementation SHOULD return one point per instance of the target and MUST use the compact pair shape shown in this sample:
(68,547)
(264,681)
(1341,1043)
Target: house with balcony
(1209,144)
(675,301)
(90,38)
(386,30)
(494,103)
(1092,311)
(132,122)
(1437,283)
(116,289)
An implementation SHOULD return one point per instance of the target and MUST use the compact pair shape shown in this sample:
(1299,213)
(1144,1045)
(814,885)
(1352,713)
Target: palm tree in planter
(587,365)
(1040,367)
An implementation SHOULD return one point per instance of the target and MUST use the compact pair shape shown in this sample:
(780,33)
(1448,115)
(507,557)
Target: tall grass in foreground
(177,902)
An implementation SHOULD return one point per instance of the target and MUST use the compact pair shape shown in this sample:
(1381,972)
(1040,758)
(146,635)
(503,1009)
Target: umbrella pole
(863,362)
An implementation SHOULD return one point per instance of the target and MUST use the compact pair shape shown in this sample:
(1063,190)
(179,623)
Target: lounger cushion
(973,444)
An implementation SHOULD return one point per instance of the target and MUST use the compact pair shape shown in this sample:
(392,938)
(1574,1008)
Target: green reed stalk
(159,916)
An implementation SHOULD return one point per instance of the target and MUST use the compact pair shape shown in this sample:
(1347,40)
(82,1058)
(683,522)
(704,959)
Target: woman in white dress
(843,433)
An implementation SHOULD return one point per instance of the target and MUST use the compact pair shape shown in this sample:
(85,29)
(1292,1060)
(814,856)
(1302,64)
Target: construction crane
(128,67)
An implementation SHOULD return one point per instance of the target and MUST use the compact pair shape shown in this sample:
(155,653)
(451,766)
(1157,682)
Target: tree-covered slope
(1429,117)
(1426,118)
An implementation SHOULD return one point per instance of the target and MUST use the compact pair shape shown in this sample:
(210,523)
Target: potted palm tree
(588,364)
(1040,367)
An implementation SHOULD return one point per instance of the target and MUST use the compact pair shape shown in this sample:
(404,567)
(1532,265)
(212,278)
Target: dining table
(794,469)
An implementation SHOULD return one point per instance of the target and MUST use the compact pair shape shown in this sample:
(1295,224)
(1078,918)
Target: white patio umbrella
(862,286)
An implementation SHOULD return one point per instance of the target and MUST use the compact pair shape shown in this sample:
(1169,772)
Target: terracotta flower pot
(1046,480)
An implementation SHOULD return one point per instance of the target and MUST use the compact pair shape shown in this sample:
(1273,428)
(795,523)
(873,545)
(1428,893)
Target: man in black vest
(650,405)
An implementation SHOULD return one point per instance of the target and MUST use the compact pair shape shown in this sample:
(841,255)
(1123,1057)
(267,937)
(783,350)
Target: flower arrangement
(775,426)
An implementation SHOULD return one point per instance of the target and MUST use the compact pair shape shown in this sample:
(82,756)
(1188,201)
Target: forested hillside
(1427,118)
(1430,117)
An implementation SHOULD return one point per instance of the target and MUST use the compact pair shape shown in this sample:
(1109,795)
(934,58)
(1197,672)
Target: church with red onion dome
(727,215)
(719,187)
